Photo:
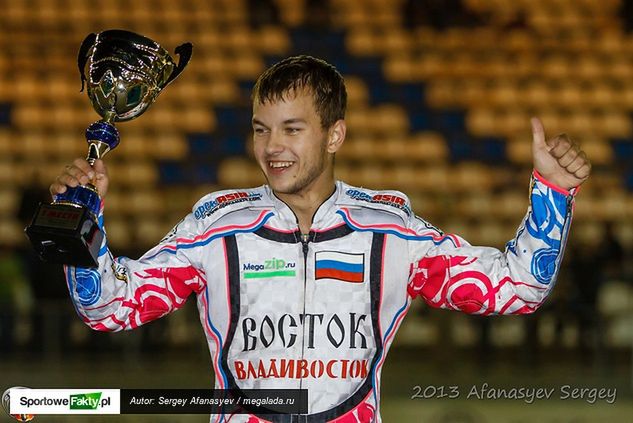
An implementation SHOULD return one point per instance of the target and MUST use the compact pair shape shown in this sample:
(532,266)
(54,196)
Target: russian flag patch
(344,267)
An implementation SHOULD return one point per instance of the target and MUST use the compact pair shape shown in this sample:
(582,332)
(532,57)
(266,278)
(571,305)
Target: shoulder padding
(374,207)
(213,207)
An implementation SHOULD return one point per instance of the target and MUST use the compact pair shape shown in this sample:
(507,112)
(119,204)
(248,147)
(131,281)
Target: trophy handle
(82,56)
(184,55)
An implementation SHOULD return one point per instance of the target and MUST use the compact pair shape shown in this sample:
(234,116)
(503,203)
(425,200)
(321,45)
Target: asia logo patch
(388,199)
(346,267)
(217,203)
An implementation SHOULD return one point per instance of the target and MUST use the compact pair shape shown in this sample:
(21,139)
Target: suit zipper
(305,240)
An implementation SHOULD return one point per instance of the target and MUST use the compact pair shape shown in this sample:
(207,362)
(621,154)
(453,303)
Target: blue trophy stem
(101,137)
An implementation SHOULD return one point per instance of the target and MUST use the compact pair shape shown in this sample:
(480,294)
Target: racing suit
(319,311)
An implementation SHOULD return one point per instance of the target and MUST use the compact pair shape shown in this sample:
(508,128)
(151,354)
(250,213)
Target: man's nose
(274,145)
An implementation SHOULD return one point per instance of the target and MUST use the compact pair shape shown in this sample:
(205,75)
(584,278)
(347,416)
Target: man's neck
(305,204)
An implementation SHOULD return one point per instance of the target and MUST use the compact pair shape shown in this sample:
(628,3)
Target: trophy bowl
(124,73)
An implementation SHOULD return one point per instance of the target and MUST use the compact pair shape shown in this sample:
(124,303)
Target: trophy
(124,72)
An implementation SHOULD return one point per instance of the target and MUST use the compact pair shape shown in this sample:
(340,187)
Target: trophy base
(65,234)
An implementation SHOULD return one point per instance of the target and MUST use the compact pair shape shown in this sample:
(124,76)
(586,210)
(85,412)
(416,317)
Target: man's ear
(336,136)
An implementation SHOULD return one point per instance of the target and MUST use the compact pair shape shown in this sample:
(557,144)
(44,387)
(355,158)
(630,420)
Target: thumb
(538,134)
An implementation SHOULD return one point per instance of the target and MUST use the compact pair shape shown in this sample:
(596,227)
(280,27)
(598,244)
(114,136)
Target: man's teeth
(276,165)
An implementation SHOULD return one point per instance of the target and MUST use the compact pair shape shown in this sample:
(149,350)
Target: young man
(302,283)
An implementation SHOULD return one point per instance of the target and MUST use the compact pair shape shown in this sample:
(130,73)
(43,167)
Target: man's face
(290,144)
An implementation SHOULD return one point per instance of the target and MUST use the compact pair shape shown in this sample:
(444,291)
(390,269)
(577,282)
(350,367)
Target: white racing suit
(319,312)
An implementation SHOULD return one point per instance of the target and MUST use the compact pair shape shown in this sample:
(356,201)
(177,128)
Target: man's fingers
(84,166)
(538,132)
(78,174)
(62,182)
(569,157)
(577,163)
(57,188)
(68,180)
(584,171)
(560,145)
(99,167)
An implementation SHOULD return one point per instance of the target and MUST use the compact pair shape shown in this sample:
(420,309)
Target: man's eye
(259,131)
(292,130)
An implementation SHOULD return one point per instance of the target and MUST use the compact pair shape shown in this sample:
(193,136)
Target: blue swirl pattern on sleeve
(88,286)
(548,222)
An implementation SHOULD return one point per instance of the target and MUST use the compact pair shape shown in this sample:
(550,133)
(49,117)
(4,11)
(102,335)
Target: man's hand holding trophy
(124,73)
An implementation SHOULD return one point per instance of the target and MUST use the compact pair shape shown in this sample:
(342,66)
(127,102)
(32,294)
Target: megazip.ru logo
(269,268)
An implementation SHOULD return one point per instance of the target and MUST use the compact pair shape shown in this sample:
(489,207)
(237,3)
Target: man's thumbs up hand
(559,160)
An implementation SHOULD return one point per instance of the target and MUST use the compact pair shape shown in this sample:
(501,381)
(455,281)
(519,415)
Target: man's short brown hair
(316,76)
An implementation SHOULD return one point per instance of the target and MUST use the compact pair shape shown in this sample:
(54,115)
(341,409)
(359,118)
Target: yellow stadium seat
(510,205)
(33,144)
(427,147)
(393,149)
(372,176)
(503,95)
(397,41)
(247,66)
(402,177)
(473,204)
(197,119)
(579,122)
(272,40)
(239,172)
(390,120)
(442,94)
(434,179)
(25,116)
(134,144)
(598,150)
(481,122)
(136,173)
(425,205)
(357,17)
(464,176)
(144,202)
(519,150)
(149,231)
(7,173)
(589,67)
(615,123)
(359,121)
(357,92)
(119,232)
(223,91)
(398,67)
(537,94)
(361,41)
(168,146)
(571,95)
(67,144)
(238,39)
(8,146)
(361,148)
